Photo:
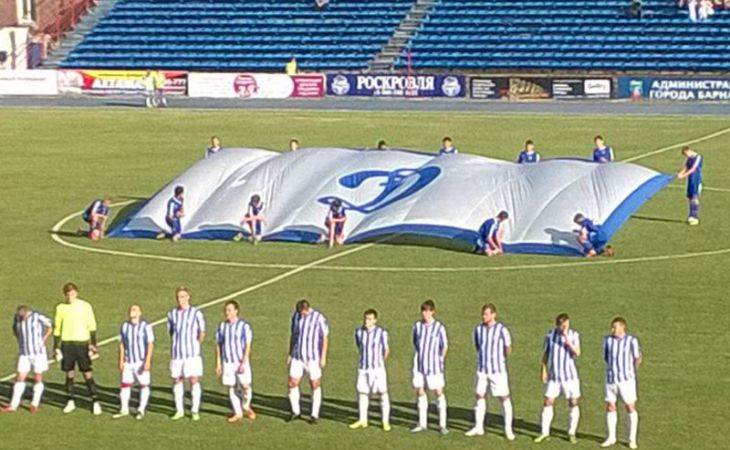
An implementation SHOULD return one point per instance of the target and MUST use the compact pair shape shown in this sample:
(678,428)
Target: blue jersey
(589,227)
(528,157)
(30,334)
(185,327)
(336,213)
(620,355)
(491,343)
(233,339)
(489,229)
(174,205)
(307,335)
(560,359)
(448,151)
(694,180)
(96,207)
(254,209)
(429,342)
(602,155)
(135,337)
(373,345)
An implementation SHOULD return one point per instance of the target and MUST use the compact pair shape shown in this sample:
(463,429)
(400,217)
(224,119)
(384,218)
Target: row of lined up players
(75,346)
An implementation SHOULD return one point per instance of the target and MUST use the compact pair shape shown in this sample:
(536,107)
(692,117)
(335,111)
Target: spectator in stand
(692,7)
(291,66)
(382,145)
(293,145)
(705,10)
(635,9)
(321,4)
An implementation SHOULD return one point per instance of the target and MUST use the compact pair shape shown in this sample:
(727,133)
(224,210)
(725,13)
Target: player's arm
(537,157)
(610,154)
(201,327)
(148,358)
(544,362)
(291,338)
(218,364)
(121,356)
(386,346)
(48,329)
(444,343)
(636,354)
(685,172)
(325,347)
(57,327)
(507,342)
(573,347)
(91,326)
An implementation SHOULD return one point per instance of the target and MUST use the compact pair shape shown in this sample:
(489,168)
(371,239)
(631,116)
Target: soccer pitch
(669,280)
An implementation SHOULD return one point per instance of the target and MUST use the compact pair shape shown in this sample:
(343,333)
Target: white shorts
(186,368)
(372,381)
(35,363)
(569,389)
(626,390)
(433,382)
(298,368)
(134,372)
(498,384)
(231,377)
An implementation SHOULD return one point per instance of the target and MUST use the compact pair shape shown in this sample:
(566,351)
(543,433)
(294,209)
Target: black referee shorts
(75,353)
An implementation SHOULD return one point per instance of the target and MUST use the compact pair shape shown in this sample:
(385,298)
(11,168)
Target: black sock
(70,388)
(91,384)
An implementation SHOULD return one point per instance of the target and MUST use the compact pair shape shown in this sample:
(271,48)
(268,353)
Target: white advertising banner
(28,82)
(254,85)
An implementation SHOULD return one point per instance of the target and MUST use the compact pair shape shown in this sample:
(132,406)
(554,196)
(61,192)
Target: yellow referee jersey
(74,321)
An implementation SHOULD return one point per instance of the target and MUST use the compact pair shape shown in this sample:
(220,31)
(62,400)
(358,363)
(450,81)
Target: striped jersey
(526,157)
(372,344)
(254,209)
(561,360)
(491,345)
(135,337)
(620,355)
(233,338)
(602,155)
(448,151)
(174,205)
(96,207)
(307,334)
(185,327)
(30,333)
(429,341)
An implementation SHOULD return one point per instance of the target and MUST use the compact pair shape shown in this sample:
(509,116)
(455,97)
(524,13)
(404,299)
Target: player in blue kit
(335,224)
(448,147)
(602,153)
(528,155)
(591,237)
(489,241)
(97,216)
(173,214)
(692,171)
(254,219)
(215,146)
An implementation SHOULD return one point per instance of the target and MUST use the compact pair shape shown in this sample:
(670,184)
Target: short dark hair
(447,138)
(232,303)
(578,217)
(68,287)
(428,305)
(370,312)
(382,143)
(182,288)
(619,319)
(685,149)
(529,142)
(255,198)
(179,190)
(22,308)
(562,317)
(294,141)
(598,136)
(503,215)
(302,305)
(489,306)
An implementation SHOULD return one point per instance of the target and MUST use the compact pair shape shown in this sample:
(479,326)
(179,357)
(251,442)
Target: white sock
(611,419)
(633,426)
(507,414)
(235,401)
(547,419)
(124,395)
(18,391)
(37,393)
(479,411)
(574,416)
(385,407)
(362,406)
(196,391)
(178,391)
(294,400)
(422,411)
(247,395)
(441,405)
(144,398)
(316,401)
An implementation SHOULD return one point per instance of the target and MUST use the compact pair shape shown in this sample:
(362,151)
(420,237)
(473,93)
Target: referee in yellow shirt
(74,341)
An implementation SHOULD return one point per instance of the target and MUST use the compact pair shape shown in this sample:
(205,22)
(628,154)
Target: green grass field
(54,161)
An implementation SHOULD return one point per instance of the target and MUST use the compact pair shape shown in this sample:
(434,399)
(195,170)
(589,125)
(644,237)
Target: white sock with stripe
(547,420)
(316,402)
(235,401)
(196,391)
(247,395)
(124,394)
(574,416)
(423,411)
(441,405)
(480,410)
(18,391)
(178,391)
(38,389)
(633,426)
(385,407)
(294,400)
(611,420)
(144,398)
(362,407)
(507,414)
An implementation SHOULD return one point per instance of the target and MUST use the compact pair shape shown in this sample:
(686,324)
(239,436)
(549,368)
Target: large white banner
(418,195)
(254,85)
(28,82)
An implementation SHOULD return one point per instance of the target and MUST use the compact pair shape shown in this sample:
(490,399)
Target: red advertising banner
(117,82)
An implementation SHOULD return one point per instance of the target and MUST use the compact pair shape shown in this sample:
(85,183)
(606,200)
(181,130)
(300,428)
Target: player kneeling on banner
(335,224)
(489,241)
(97,216)
(622,356)
(591,237)
(174,213)
(232,361)
(254,220)
(136,344)
(31,329)
(372,343)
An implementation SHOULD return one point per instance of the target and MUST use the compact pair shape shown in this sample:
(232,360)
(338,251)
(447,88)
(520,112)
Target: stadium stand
(568,35)
(227,35)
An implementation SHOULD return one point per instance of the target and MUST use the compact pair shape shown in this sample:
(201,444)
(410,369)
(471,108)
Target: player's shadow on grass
(656,219)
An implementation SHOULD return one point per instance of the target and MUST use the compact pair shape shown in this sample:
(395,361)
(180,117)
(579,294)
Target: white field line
(658,151)
(704,188)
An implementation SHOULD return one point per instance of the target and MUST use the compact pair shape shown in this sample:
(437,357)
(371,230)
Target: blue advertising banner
(393,85)
(676,89)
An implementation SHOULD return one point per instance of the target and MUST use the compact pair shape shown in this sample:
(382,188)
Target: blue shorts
(174,224)
(483,245)
(694,189)
(339,227)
